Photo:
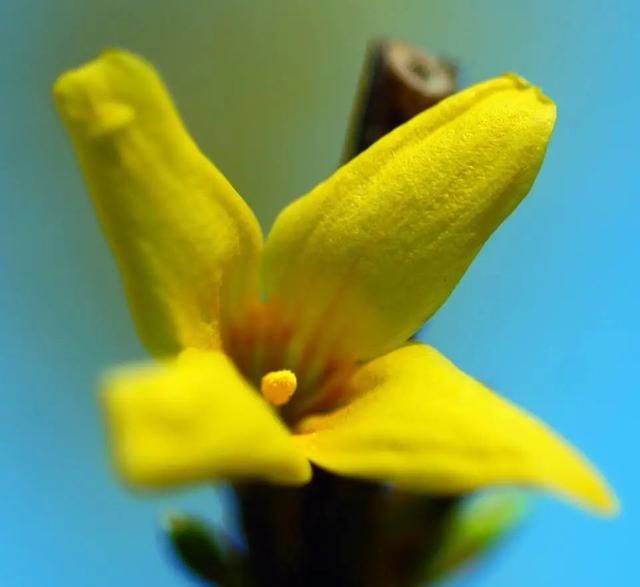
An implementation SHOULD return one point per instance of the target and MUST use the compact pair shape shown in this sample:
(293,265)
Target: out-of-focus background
(548,315)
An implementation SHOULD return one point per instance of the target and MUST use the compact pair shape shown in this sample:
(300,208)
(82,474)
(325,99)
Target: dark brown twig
(398,81)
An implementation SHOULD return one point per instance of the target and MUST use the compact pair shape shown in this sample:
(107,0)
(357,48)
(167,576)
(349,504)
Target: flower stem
(336,531)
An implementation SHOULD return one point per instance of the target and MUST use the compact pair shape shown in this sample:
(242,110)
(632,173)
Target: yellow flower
(318,316)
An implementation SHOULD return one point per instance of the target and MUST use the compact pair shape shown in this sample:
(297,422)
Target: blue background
(548,314)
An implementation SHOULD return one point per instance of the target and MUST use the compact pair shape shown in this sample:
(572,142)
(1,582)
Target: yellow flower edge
(353,269)
(182,236)
(424,425)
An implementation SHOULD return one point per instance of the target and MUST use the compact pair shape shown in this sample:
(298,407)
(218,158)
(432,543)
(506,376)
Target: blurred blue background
(548,315)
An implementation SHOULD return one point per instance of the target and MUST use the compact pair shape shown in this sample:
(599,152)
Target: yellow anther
(277,387)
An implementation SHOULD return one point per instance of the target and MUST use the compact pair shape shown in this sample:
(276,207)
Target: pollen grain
(277,387)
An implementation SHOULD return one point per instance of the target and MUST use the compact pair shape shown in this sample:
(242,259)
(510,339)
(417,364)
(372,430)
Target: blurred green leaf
(474,531)
(196,546)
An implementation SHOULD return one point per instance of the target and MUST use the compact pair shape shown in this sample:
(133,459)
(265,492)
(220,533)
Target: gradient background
(548,314)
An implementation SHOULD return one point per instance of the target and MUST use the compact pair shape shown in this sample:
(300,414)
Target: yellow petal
(184,240)
(373,252)
(196,419)
(423,424)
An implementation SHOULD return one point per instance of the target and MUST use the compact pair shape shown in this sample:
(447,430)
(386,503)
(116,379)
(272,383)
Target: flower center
(277,387)
(296,371)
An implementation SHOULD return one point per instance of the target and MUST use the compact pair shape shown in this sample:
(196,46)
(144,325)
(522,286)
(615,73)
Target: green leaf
(196,546)
(474,531)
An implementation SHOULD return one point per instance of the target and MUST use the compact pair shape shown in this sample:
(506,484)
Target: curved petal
(196,419)
(373,252)
(184,240)
(423,424)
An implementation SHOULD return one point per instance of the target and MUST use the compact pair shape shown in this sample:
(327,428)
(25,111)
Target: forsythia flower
(277,354)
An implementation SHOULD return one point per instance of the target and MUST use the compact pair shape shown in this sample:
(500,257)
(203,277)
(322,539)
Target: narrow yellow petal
(371,253)
(195,419)
(184,240)
(424,425)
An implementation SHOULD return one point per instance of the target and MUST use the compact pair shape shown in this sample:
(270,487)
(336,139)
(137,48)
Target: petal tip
(98,97)
(522,83)
(603,501)
(586,486)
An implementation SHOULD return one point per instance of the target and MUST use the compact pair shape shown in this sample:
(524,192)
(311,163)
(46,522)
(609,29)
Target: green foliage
(473,531)
(197,547)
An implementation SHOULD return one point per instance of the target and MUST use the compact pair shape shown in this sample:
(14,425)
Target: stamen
(277,387)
